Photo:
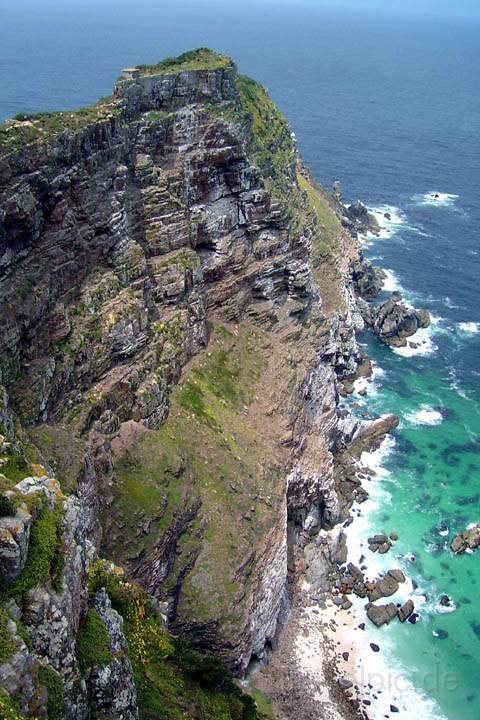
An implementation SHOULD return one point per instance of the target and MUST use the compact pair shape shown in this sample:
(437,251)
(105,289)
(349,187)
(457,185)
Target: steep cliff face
(175,311)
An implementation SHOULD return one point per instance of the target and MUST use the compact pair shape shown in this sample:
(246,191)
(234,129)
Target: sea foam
(383,679)
(390,282)
(425,415)
(436,199)
(388,225)
(469,327)
(423,341)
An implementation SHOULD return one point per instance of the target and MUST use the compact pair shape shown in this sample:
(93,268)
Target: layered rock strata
(177,310)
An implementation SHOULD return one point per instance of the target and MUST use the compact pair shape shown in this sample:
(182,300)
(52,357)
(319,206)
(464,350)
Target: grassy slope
(173,681)
(200,59)
(207,450)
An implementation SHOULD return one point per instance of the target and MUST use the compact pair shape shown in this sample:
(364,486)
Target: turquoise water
(431,493)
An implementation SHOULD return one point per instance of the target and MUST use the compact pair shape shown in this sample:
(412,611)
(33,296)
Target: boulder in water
(393,321)
(381,614)
(468,540)
(405,611)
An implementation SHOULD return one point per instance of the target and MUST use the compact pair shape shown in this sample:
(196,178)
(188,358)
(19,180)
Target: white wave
(385,682)
(358,532)
(442,609)
(388,216)
(450,304)
(455,385)
(370,385)
(390,282)
(383,679)
(469,327)
(425,415)
(423,342)
(435,199)
(447,301)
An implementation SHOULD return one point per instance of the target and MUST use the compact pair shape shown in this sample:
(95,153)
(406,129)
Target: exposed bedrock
(368,279)
(360,220)
(394,321)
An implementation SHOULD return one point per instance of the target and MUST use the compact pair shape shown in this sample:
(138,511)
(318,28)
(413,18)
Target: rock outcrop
(468,540)
(393,321)
(361,220)
(368,279)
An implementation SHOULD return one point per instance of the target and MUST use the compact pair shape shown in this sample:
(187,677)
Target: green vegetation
(272,145)
(7,507)
(7,644)
(16,468)
(93,643)
(31,127)
(173,681)
(156,116)
(200,59)
(201,471)
(274,152)
(62,450)
(264,704)
(44,549)
(24,634)
(329,223)
(53,682)
(8,711)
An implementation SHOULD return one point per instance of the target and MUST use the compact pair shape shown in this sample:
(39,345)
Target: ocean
(389,104)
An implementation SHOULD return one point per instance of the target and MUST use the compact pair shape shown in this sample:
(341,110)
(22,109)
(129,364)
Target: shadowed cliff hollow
(175,312)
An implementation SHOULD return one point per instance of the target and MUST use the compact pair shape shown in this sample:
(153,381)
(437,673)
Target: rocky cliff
(176,313)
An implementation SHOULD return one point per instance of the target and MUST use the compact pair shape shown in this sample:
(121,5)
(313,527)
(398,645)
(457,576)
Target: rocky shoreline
(320,644)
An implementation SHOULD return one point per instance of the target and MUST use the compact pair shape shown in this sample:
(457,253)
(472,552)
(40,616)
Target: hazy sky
(466,8)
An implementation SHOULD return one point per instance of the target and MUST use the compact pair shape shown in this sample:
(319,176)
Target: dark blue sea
(389,104)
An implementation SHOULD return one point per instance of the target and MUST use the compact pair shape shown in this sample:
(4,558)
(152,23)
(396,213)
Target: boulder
(384,587)
(360,590)
(14,536)
(354,571)
(397,575)
(405,611)
(381,614)
(393,321)
(368,279)
(361,219)
(468,540)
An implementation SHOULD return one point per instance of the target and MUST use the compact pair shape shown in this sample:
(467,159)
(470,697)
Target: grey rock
(381,614)
(383,587)
(111,687)
(405,611)
(470,539)
(397,575)
(14,536)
